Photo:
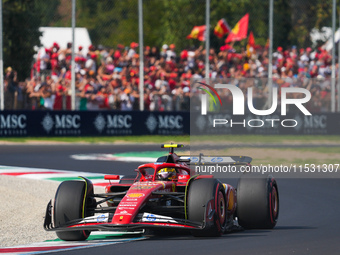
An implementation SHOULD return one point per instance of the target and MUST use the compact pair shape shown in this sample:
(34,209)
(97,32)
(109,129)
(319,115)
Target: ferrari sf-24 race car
(165,195)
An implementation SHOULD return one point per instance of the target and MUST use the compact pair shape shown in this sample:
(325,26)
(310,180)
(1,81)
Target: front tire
(71,202)
(204,197)
(257,202)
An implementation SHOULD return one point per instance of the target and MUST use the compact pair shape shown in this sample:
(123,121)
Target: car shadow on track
(190,237)
(166,235)
(187,236)
(293,227)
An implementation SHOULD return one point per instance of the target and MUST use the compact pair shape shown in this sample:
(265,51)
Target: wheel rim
(221,207)
(274,202)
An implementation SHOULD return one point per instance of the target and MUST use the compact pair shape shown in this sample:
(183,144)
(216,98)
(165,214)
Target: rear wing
(201,159)
(209,160)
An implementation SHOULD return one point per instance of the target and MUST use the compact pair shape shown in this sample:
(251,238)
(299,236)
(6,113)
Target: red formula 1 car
(165,195)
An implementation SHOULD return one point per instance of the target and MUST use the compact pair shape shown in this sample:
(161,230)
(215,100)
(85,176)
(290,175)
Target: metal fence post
(141,55)
(333,59)
(339,69)
(73,75)
(270,64)
(2,90)
(207,39)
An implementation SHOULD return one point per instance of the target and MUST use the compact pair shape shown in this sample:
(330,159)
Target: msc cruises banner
(111,123)
(92,123)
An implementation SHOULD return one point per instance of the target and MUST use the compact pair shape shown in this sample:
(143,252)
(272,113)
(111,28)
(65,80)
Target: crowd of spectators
(108,78)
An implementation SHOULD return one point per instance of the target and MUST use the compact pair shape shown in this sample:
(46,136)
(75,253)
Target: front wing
(142,221)
(153,221)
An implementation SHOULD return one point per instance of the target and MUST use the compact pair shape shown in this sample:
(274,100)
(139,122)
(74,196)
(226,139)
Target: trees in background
(112,22)
(170,21)
(21,23)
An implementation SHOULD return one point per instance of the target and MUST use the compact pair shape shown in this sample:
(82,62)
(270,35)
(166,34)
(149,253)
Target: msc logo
(168,122)
(13,121)
(117,121)
(63,121)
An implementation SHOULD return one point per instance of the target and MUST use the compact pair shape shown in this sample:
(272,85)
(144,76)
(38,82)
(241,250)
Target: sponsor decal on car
(150,217)
(183,177)
(142,187)
(131,199)
(194,159)
(101,218)
(123,208)
(96,219)
(124,213)
(134,195)
(146,185)
(128,203)
(216,160)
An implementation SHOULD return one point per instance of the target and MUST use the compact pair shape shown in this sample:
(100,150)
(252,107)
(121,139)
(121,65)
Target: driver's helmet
(166,174)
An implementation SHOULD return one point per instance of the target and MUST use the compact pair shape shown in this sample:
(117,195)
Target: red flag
(240,30)
(251,44)
(251,40)
(221,28)
(198,32)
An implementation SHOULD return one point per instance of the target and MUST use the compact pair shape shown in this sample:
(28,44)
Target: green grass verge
(213,139)
(111,139)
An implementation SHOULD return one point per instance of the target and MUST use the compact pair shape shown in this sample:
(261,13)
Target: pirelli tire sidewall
(71,201)
(257,202)
(207,195)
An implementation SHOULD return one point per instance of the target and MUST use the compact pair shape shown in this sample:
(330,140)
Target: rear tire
(211,193)
(257,202)
(70,204)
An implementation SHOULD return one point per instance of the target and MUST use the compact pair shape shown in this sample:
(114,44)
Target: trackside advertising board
(92,123)
(110,123)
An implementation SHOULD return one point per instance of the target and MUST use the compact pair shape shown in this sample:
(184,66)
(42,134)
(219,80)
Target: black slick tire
(70,204)
(207,197)
(257,202)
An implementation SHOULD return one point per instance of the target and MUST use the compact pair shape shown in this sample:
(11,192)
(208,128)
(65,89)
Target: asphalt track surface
(308,222)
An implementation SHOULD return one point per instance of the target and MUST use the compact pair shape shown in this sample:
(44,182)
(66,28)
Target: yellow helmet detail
(166,174)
